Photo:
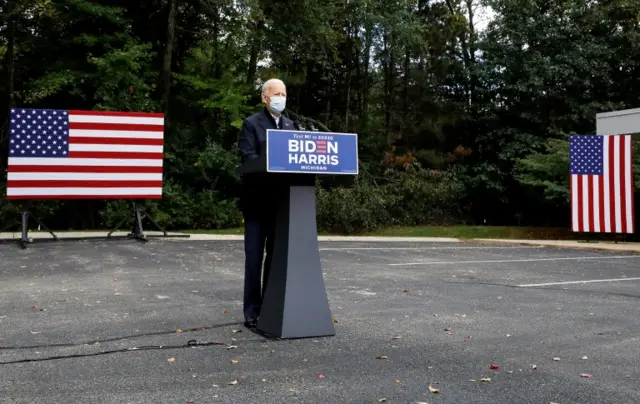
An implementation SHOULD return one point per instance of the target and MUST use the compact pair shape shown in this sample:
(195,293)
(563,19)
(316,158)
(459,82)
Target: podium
(295,303)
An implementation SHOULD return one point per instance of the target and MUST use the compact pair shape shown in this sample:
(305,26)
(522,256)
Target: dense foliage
(456,124)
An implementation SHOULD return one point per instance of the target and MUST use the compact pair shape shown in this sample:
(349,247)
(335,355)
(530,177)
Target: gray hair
(268,84)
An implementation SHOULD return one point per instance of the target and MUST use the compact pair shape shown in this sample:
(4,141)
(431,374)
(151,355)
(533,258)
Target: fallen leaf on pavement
(552,402)
(233,382)
(189,401)
(382,400)
(232,347)
(236,331)
(382,357)
(234,361)
(396,337)
(335,320)
(405,291)
(171,360)
(225,311)
(494,367)
(556,359)
(485,379)
(586,375)
(179,330)
(432,390)
(33,306)
(320,376)
(397,380)
(422,402)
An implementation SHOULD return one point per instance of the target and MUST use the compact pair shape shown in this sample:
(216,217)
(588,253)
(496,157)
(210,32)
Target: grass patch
(497,232)
(462,232)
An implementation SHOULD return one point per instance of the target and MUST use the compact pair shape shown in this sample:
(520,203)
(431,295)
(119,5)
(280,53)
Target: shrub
(410,196)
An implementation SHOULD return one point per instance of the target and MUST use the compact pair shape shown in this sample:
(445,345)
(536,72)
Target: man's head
(274,96)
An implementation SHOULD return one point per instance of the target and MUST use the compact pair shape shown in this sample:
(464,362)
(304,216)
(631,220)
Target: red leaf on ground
(494,367)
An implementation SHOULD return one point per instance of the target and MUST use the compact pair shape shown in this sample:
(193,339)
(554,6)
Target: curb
(608,246)
(226,237)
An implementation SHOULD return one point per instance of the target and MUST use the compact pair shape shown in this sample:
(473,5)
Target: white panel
(621,122)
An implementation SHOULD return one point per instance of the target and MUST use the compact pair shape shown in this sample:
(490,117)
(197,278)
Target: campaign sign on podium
(290,151)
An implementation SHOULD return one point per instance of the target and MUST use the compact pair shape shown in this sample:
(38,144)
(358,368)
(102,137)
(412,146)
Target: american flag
(60,154)
(601,184)
(321,146)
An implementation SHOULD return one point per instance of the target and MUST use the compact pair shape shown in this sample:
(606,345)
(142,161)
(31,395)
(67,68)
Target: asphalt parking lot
(96,322)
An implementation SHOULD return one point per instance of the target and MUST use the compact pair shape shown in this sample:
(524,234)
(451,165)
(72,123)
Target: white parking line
(531,285)
(519,260)
(421,248)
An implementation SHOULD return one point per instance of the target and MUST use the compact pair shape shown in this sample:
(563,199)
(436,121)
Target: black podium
(295,303)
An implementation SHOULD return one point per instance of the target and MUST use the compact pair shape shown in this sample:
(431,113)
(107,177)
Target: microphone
(298,125)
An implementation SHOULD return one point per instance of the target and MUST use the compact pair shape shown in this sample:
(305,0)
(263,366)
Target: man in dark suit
(257,202)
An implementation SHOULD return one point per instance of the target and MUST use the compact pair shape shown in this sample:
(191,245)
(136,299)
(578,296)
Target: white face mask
(278,103)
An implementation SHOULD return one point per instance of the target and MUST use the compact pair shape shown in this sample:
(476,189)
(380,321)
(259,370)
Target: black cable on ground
(191,344)
(207,327)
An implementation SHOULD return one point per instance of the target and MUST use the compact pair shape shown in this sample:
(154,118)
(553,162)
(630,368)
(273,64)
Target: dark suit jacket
(252,143)
(253,138)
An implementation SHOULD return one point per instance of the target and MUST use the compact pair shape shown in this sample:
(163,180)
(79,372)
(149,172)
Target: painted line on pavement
(531,285)
(424,248)
(519,260)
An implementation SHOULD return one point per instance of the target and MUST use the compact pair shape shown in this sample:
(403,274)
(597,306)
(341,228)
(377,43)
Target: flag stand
(24,228)
(138,232)
(25,214)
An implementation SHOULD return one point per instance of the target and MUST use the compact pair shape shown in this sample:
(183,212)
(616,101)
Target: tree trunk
(168,52)
(368,44)
(255,50)
(405,89)
(349,65)
(471,51)
(329,93)
(9,66)
(388,84)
